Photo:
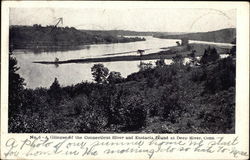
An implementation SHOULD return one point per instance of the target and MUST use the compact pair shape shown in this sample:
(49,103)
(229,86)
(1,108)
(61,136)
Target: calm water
(42,75)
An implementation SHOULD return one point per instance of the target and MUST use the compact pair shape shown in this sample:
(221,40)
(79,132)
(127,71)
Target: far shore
(168,53)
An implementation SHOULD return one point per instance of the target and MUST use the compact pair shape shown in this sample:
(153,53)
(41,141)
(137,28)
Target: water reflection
(48,49)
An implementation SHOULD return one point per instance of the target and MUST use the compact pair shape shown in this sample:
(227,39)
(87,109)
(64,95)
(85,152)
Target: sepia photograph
(126,70)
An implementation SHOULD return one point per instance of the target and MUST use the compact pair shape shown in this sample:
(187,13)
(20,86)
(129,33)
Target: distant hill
(38,36)
(224,35)
(130,33)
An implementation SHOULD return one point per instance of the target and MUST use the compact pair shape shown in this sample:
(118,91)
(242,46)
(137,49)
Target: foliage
(178,59)
(221,76)
(193,59)
(127,108)
(114,77)
(16,86)
(99,73)
(145,66)
(89,118)
(79,104)
(210,55)
(233,51)
(160,62)
(55,92)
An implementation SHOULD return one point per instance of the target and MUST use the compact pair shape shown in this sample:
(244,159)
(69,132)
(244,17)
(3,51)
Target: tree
(55,85)
(214,56)
(99,73)
(210,55)
(16,86)
(114,77)
(55,92)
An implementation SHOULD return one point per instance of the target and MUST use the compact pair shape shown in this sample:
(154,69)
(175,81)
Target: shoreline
(167,54)
(111,59)
(49,48)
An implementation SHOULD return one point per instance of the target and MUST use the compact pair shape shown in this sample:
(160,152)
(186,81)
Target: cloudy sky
(137,19)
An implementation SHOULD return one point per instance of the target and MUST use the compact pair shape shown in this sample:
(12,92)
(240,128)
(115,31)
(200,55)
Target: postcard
(124,80)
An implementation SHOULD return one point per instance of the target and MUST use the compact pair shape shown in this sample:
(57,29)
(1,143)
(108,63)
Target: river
(41,75)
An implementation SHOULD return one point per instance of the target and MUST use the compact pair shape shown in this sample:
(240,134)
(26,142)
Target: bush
(220,76)
(178,59)
(145,66)
(160,62)
(28,124)
(78,105)
(169,105)
(90,122)
(128,110)
(210,55)
(114,77)
(92,116)
(133,113)
(197,74)
(218,114)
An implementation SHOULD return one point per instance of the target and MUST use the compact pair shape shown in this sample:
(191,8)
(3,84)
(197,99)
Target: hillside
(224,35)
(38,36)
(131,33)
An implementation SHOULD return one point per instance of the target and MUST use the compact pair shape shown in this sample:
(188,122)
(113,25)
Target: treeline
(38,36)
(131,33)
(224,36)
(196,97)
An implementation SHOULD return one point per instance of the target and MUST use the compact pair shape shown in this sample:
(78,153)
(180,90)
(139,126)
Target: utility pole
(59,20)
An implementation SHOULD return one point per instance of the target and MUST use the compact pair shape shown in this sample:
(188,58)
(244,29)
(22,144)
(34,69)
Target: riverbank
(167,53)
(50,38)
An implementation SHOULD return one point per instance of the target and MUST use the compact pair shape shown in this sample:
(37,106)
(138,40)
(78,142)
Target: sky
(136,19)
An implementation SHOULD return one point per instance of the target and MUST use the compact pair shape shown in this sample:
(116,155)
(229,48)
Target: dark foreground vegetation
(61,38)
(197,97)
